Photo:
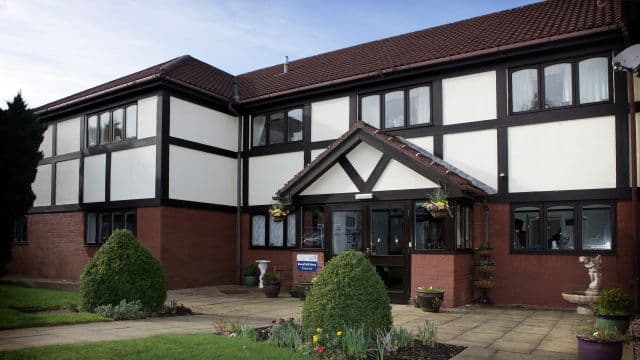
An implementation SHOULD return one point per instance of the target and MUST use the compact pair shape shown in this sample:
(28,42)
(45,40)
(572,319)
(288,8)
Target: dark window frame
(449,224)
(300,226)
(267,126)
(20,237)
(575,83)
(97,230)
(406,108)
(285,232)
(124,138)
(578,208)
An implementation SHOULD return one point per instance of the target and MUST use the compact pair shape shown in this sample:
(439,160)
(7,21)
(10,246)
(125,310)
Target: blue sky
(51,48)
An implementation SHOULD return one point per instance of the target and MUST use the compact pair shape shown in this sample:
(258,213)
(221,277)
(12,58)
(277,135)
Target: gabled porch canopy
(368,160)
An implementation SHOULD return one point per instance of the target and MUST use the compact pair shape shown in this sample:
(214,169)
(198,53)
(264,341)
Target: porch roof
(456,182)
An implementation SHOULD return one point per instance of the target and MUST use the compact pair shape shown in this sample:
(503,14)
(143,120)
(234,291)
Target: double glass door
(381,231)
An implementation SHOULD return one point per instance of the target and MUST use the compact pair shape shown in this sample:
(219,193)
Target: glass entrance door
(346,231)
(388,250)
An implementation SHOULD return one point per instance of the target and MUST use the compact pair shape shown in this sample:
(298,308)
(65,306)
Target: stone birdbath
(584,299)
(262,265)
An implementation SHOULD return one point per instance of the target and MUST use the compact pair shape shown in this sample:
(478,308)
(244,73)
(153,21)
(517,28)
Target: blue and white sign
(307,262)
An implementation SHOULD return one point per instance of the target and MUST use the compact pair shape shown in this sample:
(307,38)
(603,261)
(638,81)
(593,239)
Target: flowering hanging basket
(438,205)
(439,214)
(278,213)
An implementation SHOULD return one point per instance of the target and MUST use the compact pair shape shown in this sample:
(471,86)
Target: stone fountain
(584,299)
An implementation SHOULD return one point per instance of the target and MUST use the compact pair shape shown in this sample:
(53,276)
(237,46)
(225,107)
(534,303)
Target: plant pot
(303,288)
(599,350)
(439,214)
(620,322)
(272,290)
(250,280)
(430,300)
(293,292)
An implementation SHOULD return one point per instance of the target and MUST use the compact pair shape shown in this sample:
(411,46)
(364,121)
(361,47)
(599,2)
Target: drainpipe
(485,215)
(230,105)
(634,189)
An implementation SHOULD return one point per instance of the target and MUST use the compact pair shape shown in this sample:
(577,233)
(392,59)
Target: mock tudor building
(518,115)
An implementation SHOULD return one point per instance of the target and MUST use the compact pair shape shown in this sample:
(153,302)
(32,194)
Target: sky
(53,48)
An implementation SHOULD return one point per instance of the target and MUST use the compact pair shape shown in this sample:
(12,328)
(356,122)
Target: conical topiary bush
(123,269)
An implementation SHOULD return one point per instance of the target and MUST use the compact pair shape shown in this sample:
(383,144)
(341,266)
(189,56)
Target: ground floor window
(267,232)
(446,233)
(100,225)
(20,230)
(571,226)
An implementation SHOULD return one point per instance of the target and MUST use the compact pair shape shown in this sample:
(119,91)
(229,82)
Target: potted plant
(278,212)
(251,274)
(600,342)
(303,287)
(438,205)
(613,308)
(430,299)
(271,284)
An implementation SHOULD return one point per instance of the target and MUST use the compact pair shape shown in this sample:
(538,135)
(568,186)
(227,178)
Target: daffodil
(339,333)
(318,330)
(315,339)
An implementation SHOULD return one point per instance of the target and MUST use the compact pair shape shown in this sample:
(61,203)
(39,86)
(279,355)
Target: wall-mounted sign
(307,262)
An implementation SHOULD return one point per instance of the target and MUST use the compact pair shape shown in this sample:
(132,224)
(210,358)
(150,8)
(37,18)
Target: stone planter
(303,288)
(620,322)
(599,350)
(250,280)
(272,290)
(430,300)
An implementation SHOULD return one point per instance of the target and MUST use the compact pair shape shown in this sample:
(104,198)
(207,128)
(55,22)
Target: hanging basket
(278,218)
(439,214)
(484,284)
(486,268)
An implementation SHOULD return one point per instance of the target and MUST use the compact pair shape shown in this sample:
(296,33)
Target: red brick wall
(451,272)
(198,246)
(540,279)
(55,248)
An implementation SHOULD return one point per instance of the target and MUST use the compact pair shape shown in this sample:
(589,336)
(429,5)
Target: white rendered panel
(197,123)
(364,159)
(425,142)
(396,176)
(47,142)
(474,152)
(333,181)
(147,116)
(67,182)
(198,176)
(267,174)
(469,98)
(42,186)
(329,118)
(68,136)
(133,173)
(95,168)
(636,88)
(637,145)
(563,155)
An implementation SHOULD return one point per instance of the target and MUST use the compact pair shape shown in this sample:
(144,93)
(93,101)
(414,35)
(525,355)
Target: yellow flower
(339,333)
(315,339)
(318,330)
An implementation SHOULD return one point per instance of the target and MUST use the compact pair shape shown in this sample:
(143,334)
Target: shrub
(123,269)
(270,279)
(613,302)
(251,270)
(347,293)
(123,311)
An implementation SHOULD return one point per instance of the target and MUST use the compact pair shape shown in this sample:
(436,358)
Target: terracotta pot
(620,322)
(599,350)
(430,300)
(250,280)
(272,290)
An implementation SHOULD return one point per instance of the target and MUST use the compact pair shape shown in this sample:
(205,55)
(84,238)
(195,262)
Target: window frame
(125,214)
(267,126)
(285,233)
(21,221)
(300,227)
(406,108)
(449,224)
(575,83)
(578,206)
(99,131)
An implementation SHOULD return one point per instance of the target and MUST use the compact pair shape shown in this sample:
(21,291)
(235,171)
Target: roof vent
(285,68)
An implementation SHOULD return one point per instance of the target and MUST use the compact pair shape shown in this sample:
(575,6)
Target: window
(312,228)
(593,77)
(112,126)
(20,230)
(100,225)
(463,218)
(277,128)
(562,227)
(551,86)
(399,108)
(430,233)
(265,232)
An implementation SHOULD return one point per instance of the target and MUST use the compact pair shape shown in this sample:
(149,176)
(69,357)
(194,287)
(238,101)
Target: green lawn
(199,346)
(13,298)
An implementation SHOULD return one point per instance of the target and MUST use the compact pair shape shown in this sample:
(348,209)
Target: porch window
(267,233)
(396,109)
(285,126)
(463,226)
(430,233)
(312,228)
(100,225)
(553,227)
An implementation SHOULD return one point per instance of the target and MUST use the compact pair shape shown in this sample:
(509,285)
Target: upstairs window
(277,128)
(112,126)
(593,77)
(558,86)
(397,108)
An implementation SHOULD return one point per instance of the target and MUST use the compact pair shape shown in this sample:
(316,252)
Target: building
(518,115)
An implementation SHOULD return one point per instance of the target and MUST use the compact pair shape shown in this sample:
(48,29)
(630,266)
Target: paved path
(489,332)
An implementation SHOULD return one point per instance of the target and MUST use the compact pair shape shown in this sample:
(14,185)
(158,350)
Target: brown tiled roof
(465,182)
(539,22)
(184,70)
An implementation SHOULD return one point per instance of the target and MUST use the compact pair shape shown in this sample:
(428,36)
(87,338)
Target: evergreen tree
(20,136)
